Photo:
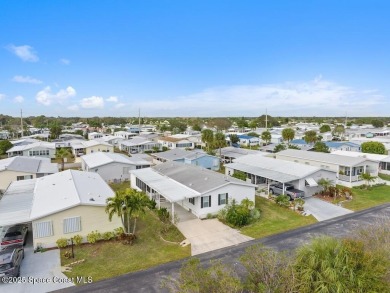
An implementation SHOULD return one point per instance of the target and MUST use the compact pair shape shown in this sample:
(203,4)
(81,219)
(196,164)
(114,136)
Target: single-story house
(112,166)
(342,146)
(94,135)
(196,189)
(302,144)
(90,146)
(175,142)
(111,139)
(228,154)
(125,134)
(138,145)
(194,157)
(348,169)
(21,168)
(61,205)
(263,171)
(248,140)
(36,149)
(24,141)
(383,160)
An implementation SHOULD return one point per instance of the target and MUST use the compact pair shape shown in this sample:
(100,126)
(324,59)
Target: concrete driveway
(43,269)
(323,210)
(208,235)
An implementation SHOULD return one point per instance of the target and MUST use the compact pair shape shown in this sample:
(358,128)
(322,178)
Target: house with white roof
(111,139)
(342,146)
(263,171)
(125,134)
(112,166)
(383,160)
(228,154)
(138,145)
(21,168)
(90,146)
(194,157)
(348,169)
(94,135)
(61,205)
(36,149)
(195,189)
(171,142)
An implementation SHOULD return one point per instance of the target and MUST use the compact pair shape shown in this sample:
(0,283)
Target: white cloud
(26,53)
(2,96)
(317,97)
(73,108)
(112,99)
(119,105)
(46,97)
(92,103)
(64,61)
(19,99)
(26,79)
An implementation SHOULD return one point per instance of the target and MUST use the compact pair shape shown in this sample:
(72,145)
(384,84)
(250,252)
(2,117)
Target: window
(205,201)
(43,229)
(192,200)
(222,198)
(18,178)
(72,225)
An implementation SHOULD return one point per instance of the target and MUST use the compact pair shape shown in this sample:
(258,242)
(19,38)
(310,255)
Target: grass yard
(108,259)
(384,176)
(120,186)
(275,219)
(364,199)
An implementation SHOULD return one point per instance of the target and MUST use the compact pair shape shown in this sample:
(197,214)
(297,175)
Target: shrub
(283,200)
(152,204)
(93,237)
(77,239)
(239,175)
(119,231)
(238,215)
(255,214)
(68,254)
(163,214)
(108,235)
(62,242)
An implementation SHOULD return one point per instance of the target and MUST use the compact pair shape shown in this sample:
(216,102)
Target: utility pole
(21,122)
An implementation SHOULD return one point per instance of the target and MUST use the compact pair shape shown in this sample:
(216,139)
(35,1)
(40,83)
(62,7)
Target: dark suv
(10,261)
(15,235)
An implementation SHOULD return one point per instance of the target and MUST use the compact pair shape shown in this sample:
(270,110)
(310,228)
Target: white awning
(311,182)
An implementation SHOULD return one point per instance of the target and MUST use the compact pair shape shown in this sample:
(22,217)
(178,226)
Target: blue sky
(195,58)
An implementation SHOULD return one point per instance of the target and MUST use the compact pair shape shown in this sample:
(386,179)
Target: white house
(263,171)
(36,149)
(125,134)
(196,189)
(22,168)
(247,140)
(228,154)
(94,135)
(111,166)
(348,169)
(342,146)
(175,142)
(111,139)
(90,146)
(138,145)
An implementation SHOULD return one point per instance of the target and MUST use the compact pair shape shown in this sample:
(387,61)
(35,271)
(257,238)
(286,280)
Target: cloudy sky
(195,58)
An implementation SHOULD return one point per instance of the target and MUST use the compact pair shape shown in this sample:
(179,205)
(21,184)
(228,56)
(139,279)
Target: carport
(15,205)
(161,188)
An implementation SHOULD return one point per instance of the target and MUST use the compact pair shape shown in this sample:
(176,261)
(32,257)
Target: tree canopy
(5,145)
(266,136)
(288,134)
(321,147)
(325,128)
(310,136)
(373,147)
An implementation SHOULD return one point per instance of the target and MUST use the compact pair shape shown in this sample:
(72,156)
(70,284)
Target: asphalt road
(149,280)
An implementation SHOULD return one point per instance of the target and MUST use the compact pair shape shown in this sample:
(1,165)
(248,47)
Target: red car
(15,235)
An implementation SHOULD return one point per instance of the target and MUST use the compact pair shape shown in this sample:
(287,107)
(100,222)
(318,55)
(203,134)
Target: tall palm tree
(288,134)
(266,136)
(219,141)
(136,202)
(207,137)
(325,184)
(115,205)
(61,154)
(368,178)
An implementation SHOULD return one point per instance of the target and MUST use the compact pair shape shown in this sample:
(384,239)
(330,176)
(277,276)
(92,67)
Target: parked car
(289,190)
(15,235)
(10,261)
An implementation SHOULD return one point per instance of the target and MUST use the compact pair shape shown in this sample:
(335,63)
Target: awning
(311,182)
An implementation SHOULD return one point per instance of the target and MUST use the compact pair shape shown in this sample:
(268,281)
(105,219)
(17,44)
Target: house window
(72,225)
(43,229)
(192,200)
(222,198)
(18,178)
(205,201)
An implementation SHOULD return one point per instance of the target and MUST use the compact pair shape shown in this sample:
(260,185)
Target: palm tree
(207,137)
(115,205)
(368,178)
(61,154)
(325,184)
(266,136)
(310,136)
(219,141)
(288,134)
(136,202)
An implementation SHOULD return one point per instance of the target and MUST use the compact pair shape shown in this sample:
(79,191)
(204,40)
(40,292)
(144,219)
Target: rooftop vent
(91,199)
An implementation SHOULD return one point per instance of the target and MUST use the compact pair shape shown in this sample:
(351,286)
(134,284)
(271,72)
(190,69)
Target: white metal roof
(15,205)
(373,157)
(167,187)
(28,164)
(102,158)
(63,190)
(19,148)
(322,157)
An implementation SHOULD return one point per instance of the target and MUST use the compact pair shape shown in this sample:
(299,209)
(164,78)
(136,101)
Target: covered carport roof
(266,173)
(15,205)
(172,190)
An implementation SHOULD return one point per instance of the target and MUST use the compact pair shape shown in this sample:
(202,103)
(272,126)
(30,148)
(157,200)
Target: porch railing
(348,178)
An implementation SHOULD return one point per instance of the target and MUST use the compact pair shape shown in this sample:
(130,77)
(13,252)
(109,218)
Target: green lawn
(384,176)
(364,199)
(108,259)
(275,219)
(120,186)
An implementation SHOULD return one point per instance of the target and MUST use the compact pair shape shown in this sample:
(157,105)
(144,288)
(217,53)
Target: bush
(255,214)
(93,237)
(239,175)
(68,254)
(283,200)
(62,242)
(163,214)
(108,235)
(77,239)
(119,231)
(152,204)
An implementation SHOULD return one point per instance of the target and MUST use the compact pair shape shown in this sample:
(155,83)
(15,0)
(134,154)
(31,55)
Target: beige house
(21,168)
(91,146)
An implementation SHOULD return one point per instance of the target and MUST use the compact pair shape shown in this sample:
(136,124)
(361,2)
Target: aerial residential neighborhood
(178,146)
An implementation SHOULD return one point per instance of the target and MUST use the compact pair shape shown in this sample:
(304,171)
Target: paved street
(149,280)
(323,210)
